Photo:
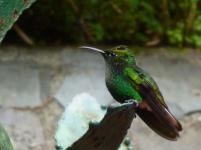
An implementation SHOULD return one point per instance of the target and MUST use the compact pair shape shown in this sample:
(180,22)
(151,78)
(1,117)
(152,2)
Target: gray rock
(22,84)
(23,128)
(85,72)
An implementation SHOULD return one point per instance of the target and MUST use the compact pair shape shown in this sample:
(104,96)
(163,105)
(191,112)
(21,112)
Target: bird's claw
(134,102)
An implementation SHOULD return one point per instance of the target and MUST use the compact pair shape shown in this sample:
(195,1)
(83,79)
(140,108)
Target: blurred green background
(135,22)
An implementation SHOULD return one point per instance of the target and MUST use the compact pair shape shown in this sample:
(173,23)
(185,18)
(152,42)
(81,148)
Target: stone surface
(64,73)
(24,128)
(22,84)
(49,116)
(85,72)
(144,138)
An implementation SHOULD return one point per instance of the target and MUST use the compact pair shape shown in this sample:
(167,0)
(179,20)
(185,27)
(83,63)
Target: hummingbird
(126,81)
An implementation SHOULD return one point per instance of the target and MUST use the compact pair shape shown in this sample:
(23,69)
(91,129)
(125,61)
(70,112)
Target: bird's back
(153,110)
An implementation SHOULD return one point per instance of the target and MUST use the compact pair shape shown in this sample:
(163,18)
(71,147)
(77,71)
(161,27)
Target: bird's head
(119,55)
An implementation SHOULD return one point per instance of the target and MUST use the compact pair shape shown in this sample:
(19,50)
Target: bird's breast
(121,89)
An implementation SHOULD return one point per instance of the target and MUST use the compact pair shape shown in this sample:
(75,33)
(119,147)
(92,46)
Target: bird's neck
(114,70)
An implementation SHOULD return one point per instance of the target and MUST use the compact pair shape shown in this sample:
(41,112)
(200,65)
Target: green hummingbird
(126,81)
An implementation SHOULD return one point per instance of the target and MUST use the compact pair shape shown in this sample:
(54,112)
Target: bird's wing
(153,109)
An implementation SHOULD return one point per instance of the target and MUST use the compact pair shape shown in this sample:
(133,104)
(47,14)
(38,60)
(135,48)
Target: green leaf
(9,13)
(175,35)
(5,143)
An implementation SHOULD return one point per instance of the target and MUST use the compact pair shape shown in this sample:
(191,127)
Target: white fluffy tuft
(74,122)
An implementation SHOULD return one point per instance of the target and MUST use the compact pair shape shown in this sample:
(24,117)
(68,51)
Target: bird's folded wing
(153,110)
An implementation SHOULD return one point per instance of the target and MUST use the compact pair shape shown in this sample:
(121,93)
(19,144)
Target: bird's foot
(133,102)
(136,104)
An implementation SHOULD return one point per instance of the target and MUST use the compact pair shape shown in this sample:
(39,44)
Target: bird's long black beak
(93,48)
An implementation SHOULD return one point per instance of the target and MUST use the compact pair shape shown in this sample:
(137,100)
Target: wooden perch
(110,132)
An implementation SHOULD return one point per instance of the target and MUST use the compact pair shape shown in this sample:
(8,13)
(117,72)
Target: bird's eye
(112,54)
